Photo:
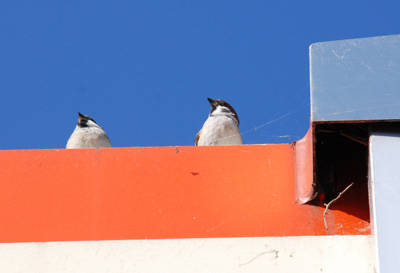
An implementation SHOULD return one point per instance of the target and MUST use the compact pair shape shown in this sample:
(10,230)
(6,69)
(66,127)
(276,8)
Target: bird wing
(196,139)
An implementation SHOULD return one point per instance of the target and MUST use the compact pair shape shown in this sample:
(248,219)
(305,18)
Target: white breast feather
(89,137)
(220,130)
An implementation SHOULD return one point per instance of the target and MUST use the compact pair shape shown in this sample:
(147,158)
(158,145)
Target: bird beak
(212,102)
(80,117)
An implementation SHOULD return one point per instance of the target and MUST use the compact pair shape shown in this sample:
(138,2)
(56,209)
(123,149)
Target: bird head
(221,107)
(86,121)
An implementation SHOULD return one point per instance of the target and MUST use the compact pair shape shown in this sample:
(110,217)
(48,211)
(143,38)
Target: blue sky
(143,69)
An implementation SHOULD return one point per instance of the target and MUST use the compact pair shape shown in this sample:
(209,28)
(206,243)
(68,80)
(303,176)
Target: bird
(88,134)
(221,126)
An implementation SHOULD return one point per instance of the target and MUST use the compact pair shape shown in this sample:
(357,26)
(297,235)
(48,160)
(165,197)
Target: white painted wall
(306,254)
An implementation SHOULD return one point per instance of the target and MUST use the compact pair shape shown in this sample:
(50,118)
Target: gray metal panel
(356,79)
(385,186)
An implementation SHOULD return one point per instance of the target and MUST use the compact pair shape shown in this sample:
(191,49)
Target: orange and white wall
(170,209)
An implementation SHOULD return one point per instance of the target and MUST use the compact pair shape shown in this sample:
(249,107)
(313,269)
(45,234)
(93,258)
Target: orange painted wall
(157,193)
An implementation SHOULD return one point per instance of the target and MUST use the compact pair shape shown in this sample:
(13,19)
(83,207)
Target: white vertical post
(384,176)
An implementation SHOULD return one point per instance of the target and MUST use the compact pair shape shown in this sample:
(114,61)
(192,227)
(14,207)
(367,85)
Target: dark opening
(341,158)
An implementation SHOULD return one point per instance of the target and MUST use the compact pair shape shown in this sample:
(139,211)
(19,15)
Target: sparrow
(88,134)
(221,127)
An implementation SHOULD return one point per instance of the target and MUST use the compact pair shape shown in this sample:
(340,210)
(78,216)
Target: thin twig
(362,141)
(331,202)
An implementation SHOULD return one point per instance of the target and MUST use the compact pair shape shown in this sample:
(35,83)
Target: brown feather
(196,139)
